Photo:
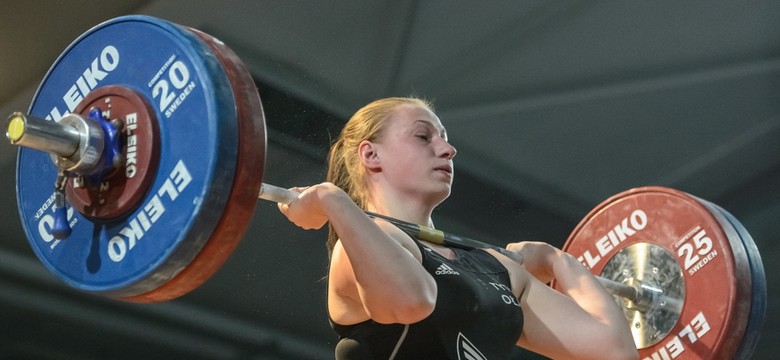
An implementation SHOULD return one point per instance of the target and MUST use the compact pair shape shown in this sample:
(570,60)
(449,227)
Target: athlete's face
(415,153)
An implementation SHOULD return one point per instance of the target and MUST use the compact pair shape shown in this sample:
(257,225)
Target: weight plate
(714,266)
(758,293)
(193,103)
(248,179)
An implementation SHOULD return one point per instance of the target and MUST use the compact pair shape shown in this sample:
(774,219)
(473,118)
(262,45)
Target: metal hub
(658,279)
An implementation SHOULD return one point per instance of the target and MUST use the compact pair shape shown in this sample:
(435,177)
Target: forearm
(575,281)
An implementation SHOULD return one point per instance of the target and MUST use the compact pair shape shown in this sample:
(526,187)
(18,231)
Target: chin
(441,195)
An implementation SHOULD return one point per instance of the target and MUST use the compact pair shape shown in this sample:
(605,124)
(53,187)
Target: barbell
(62,140)
(156,161)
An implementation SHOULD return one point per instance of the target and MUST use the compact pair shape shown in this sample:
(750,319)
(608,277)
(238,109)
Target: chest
(472,283)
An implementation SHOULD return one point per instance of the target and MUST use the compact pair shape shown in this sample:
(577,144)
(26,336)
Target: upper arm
(349,300)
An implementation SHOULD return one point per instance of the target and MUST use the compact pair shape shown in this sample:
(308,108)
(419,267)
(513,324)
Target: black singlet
(476,316)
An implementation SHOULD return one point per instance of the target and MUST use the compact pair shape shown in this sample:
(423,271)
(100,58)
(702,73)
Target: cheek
(403,164)
(402,154)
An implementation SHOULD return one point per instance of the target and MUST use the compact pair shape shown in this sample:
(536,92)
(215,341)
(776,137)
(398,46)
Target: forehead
(411,115)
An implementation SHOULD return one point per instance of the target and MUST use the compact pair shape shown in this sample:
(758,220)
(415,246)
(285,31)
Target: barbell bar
(65,141)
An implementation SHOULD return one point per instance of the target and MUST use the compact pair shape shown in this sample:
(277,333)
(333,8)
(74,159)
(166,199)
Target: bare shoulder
(401,237)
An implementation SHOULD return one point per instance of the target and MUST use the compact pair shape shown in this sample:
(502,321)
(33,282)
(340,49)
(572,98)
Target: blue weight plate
(187,87)
(758,288)
(248,178)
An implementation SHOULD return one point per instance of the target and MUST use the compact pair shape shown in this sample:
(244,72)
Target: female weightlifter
(394,297)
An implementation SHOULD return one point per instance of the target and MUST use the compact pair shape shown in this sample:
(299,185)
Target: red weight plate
(742,242)
(714,265)
(122,191)
(246,185)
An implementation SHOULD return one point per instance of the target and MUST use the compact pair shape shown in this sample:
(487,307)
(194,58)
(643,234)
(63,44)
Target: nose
(447,150)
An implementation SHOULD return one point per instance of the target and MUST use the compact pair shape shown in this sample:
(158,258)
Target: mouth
(445,168)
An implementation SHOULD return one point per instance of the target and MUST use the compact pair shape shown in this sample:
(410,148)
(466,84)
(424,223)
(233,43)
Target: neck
(410,208)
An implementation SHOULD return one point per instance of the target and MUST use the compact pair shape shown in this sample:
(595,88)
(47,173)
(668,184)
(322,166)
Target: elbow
(414,312)
(405,309)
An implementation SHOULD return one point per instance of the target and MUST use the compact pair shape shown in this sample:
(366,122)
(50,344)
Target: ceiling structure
(553,107)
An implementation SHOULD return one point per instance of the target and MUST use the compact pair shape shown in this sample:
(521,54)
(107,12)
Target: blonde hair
(344,167)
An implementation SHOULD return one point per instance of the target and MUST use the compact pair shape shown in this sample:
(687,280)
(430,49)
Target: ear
(368,155)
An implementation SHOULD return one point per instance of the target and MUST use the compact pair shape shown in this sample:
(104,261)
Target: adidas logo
(467,350)
(444,269)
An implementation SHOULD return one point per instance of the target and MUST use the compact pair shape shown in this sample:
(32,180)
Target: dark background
(553,106)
